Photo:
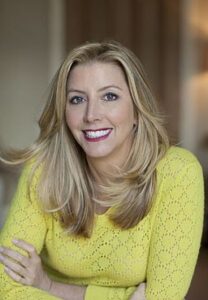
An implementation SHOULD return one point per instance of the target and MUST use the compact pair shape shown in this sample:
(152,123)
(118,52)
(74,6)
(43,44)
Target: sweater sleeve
(176,236)
(25,221)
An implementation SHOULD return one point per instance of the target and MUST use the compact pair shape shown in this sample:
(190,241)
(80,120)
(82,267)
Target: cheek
(124,116)
(71,120)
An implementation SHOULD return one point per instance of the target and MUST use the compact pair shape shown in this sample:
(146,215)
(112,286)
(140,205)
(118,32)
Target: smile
(96,135)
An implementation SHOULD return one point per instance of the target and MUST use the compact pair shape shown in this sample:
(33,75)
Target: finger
(141,291)
(142,287)
(16,277)
(15,267)
(23,260)
(25,246)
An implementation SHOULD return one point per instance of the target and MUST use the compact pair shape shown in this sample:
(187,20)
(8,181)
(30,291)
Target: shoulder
(180,183)
(31,172)
(177,157)
(177,160)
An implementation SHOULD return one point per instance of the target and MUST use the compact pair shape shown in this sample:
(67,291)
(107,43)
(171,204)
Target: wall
(194,79)
(24,68)
(31,49)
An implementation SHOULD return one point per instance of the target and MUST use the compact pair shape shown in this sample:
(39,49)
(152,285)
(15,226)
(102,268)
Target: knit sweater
(160,250)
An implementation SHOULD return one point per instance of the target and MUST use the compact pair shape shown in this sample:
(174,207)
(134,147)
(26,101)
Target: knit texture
(161,250)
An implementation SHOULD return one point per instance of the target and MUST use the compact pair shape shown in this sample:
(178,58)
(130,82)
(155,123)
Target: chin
(97,154)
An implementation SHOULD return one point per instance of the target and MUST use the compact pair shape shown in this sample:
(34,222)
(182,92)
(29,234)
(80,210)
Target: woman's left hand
(27,270)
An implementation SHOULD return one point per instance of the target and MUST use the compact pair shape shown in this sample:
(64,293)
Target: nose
(93,111)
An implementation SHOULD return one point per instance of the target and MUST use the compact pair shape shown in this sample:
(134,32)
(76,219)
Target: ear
(135,122)
(134,127)
(135,119)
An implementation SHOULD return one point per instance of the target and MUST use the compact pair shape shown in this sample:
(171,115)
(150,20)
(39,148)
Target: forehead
(96,72)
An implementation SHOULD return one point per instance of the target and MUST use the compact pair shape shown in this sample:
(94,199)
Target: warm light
(199,17)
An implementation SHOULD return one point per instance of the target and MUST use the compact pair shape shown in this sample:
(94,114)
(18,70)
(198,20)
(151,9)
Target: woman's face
(99,111)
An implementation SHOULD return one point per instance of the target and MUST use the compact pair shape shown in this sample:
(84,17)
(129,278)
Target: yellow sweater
(161,250)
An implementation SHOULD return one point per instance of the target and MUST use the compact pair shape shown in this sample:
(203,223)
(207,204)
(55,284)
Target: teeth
(95,134)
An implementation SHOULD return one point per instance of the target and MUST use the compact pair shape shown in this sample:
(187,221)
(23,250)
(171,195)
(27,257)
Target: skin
(28,270)
(97,97)
(28,266)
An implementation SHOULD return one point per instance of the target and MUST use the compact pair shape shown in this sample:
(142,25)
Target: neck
(99,169)
(101,166)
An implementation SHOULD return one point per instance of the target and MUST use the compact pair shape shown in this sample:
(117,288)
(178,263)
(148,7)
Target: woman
(105,208)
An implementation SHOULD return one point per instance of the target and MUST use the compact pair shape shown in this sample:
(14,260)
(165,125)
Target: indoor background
(169,36)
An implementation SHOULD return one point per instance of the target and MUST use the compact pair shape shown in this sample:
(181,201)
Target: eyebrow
(99,90)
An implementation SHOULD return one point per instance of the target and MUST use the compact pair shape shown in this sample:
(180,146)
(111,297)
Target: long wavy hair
(66,186)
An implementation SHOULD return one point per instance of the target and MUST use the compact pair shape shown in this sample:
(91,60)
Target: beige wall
(31,49)
(194,79)
(23,68)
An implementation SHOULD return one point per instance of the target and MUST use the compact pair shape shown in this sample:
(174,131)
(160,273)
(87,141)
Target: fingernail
(15,241)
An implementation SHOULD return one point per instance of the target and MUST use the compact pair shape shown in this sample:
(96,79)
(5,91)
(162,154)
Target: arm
(27,222)
(176,235)
(29,271)
(109,293)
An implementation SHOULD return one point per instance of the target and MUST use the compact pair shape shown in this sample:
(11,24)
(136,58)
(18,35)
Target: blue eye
(76,100)
(110,97)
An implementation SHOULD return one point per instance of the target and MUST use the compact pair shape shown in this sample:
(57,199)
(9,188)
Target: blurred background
(169,36)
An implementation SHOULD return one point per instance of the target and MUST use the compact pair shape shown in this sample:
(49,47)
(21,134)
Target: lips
(98,134)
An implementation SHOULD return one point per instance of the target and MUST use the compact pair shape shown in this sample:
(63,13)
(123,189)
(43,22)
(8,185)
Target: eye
(76,100)
(110,97)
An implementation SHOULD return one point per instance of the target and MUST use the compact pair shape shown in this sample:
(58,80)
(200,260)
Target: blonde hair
(66,185)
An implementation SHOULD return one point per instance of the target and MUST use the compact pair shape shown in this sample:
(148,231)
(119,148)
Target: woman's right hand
(139,294)
(27,270)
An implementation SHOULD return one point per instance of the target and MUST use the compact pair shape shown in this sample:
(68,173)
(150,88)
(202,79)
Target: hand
(139,294)
(25,269)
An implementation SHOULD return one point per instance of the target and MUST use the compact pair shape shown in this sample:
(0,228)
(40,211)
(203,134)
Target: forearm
(66,291)
(75,292)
